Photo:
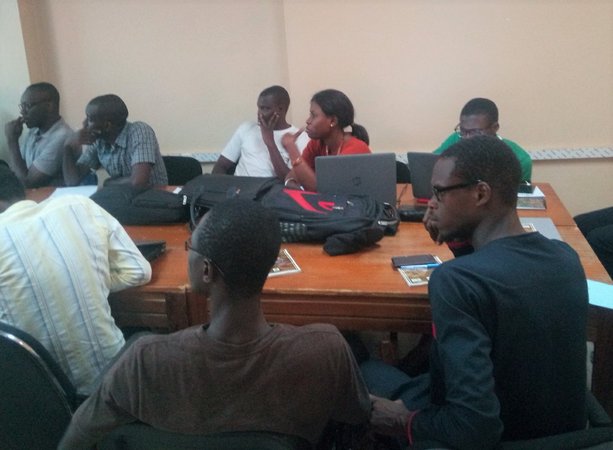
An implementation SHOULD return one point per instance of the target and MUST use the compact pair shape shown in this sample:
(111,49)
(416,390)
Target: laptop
(421,165)
(151,249)
(371,174)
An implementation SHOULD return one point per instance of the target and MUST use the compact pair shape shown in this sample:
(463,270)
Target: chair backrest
(588,439)
(36,406)
(181,169)
(138,436)
(598,435)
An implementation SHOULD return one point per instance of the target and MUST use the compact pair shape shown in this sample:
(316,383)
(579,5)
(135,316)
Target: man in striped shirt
(59,260)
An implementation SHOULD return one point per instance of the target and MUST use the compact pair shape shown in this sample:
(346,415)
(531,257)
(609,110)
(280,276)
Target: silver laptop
(421,165)
(371,174)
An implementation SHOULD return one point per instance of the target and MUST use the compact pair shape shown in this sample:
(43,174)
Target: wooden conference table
(360,291)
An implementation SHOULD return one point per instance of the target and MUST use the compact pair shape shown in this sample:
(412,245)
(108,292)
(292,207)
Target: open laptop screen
(421,165)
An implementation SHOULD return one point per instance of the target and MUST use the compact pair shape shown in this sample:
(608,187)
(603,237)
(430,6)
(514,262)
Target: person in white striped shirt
(59,260)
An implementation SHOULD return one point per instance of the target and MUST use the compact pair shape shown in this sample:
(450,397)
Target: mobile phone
(414,260)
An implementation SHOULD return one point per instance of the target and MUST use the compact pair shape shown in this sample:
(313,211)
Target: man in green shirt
(480,117)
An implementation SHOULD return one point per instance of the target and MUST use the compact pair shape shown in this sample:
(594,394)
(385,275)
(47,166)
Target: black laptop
(151,249)
(371,174)
(421,165)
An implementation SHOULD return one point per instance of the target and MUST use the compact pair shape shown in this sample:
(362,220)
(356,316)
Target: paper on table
(87,191)
(601,294)
(543,225)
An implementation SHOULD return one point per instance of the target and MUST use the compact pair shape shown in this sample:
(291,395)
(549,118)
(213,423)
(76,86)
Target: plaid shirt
(135,144)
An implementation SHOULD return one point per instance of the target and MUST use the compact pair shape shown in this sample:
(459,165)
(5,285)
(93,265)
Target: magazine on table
(284,265)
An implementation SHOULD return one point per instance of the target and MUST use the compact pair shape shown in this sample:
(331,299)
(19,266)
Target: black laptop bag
(345,223)
(138,206)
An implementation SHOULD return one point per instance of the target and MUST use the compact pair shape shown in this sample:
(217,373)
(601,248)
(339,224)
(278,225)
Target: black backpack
(310,216)
(346,223)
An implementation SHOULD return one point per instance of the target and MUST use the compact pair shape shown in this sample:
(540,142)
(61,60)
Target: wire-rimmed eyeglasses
(26,106)
(188,246)
(470,133)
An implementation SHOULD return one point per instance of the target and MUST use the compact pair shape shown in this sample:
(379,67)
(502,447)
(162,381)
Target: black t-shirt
(509,358)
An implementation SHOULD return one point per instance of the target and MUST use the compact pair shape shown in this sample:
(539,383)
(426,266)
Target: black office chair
(403,174)
(181,169)
(597,436)
(138,436)
(37,397)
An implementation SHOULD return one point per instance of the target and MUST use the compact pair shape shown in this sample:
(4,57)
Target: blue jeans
(389,382)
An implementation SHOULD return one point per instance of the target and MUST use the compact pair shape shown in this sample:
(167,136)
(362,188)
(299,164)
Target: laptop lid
(421,165)
(371,174)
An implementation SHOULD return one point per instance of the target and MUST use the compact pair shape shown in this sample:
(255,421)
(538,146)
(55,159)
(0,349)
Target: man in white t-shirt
(255,149)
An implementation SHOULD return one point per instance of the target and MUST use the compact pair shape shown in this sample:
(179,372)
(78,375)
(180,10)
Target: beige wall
(193,68)
(13,66)
(409,66)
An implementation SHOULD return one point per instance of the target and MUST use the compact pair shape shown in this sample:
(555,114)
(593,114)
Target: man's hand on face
(270,123)
(267,127)
(13,129)
(83,136)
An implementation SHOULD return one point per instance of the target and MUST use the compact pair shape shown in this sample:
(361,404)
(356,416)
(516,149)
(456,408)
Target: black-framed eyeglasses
(470,133)
(437,190)
(26,106)
(188,247)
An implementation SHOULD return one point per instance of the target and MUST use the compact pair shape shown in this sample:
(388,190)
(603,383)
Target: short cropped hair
(48,89)
(489,159)
(335,103)
(243,239)
(481,106)
(11,189)
(112,108)
(279,93)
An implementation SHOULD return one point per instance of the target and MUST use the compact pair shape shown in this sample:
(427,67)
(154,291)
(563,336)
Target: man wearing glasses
(508,321)
(38,162)
(238,372)
(479,117)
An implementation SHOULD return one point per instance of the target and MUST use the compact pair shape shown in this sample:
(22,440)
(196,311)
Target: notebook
(421,165)
(151,249)
(543,225)
(371,174)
